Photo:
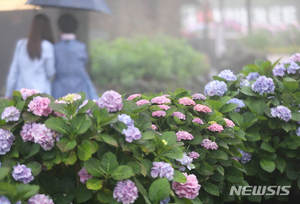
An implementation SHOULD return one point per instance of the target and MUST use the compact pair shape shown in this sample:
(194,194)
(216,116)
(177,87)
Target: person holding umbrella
(70,59)
(33,61)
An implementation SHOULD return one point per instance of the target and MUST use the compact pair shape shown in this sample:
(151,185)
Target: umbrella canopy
(11,5)
(92,5)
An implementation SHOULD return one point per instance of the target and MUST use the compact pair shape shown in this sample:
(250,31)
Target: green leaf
(257,106)
(50,183)
(290,84)
(4,172)
(248,91)
(219,169)
(179,177)
(266,165)
(233,175)
(61,108)
(210,188)
(104,196)
(142,190)
(175,153)
(122,172)
(237,118)
(228,107)
(82,194)
(35,167)
(288,126)
(238,165)
(109,162)
(295,116)
(93,166)
(143,122)
(65,144)
(266,146)
(58,124)
(93,145)
(94,184)
(23,147)
(34,149)
(147,135)
(169,137)
(109,140)
(26,191)
(70,159)
(80,124)
(219,154)
(214,104)
(86,107)
(7,189)
(280,164)
(29,117)
(84,152)
(159,190)
(205,169)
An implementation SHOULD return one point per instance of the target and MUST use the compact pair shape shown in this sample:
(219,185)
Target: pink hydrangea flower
(40,106)
(202,108)
(229,123)
(197,120)
(215,127)
(153,127)
(208,144)
(84,175)
(181,116)
(183,135)
(159,114)
(133,96)
(57,113)
(160,100)
(164,107)
(198,96)
(189,189)
(295,57)
(194,155)
(28,92)
(186,101)
(142,102)
(111,100)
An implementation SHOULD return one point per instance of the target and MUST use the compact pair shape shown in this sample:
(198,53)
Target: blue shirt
(31,74)
(71,75)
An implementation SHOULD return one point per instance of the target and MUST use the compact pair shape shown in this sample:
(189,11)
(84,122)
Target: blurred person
(70,60)
(33,62)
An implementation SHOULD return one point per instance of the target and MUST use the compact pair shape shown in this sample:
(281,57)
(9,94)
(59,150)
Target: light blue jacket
(31,74)
(71,75)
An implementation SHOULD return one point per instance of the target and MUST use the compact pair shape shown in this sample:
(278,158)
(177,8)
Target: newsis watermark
(260,190)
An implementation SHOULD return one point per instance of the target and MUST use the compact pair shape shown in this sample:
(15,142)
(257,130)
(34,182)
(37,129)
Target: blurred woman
(33,61)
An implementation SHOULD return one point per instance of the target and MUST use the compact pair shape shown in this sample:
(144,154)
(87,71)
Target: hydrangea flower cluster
(125,192)
(165,201)
(142,102)
(215,87)
(281,112)
(239,102)
(279,70)
(40,106)
(252,76)
(110,100)
(84,175)
(244,82)
(229,123)
(198,96)
(202,108)
(189,189)
(292,67)
(153,127)
(133,96)
(40,199)
(194,155)
(186,101)
(22,173)
(295,57)
(160,100)
(10,114)
(28,92)
(131,133)
(162,169)
(39,134)
(215,127)
(228,75)
(183,135)
(159,114)
(6,141)
(185,161)
(126,119)
(5,200)
(164,107)
(70,98)
(180,115)
(198,120)
(208,144)
(245,158)
(263,85)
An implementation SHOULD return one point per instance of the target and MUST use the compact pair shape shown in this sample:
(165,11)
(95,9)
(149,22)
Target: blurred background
(161,45)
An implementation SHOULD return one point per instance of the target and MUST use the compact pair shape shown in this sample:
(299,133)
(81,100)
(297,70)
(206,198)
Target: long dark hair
(40,30)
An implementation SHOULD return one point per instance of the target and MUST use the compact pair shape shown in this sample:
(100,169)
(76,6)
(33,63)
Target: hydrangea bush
(268,98)
(143,149)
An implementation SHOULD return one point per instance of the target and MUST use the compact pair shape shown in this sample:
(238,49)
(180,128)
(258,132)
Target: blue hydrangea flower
(239,102)
(185,161)
(279,70)
(132,133)
(162,169)
(165,201)
(298,132)
(244,82)
(252,76)
(4,200)
(245,158)
(126,119)
(227,74)
(263,85)
(6,141)
(293,67)
(215,87)
(281,112)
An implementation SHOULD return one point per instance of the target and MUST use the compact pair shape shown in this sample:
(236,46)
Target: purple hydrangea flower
(252,76)
(22,173)
(84,175)
(208,144)
(162,169)
(26,132)
(263,85)
(239,102)
(227,74)
(43,136)
(295,57)
(165,201)
(126,119)
(4,200)
(245,158)
(125,192)
(132,133)
(293,67)
(279,70)
(297,133)
(10,114)
(186,161)
(6,141)
(28,92)
(281,112)
(40,199)
(215,87)
(198,96)
(244,82)
(111,100)
(179,115)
